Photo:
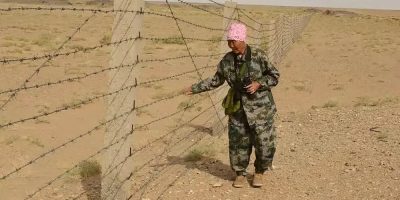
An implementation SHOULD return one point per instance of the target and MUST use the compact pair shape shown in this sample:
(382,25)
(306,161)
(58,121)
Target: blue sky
(365,4)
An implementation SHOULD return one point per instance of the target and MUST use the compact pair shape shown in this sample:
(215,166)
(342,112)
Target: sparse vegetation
(27,48)
(158,87)
(41,121)
(77,47)
(23,40)
(194,155)
(188,104)
(106,39)
(89,169)
(10,140)
(314,107)
(382,137)
(142,111)
(35,141)
(72,71)
(300,87)
(74,103)
(44,40)
(215,39)
(7,44)
(172,40)
(338,88)
(162,95)
(367,101)
(8,38)
(17,51)
(330,104)
(310,79)
(199,152)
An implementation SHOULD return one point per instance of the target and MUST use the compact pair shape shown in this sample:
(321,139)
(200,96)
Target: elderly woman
(249,104)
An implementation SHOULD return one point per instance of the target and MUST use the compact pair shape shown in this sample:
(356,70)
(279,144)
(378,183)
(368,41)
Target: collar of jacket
(231,56)
(247,54)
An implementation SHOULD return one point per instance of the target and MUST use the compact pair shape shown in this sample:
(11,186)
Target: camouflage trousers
(242,139)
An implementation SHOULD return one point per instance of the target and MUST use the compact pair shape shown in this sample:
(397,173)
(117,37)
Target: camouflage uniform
(252,125)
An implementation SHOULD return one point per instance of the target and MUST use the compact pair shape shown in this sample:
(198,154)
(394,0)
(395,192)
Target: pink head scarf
(237,31)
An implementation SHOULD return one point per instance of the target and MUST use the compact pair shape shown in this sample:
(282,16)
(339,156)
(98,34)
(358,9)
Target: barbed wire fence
(124,160)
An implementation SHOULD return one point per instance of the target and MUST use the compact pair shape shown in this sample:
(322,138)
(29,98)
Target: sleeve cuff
(263,83)
(195,89)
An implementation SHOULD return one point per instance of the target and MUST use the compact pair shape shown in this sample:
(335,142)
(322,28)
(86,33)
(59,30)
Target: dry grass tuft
(199,153)
(330,104)
(105,40)
(368,102)
(89,169)
(44,40)
(172,40)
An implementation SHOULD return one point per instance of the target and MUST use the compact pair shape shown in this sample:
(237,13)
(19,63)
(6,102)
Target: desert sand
(338,105)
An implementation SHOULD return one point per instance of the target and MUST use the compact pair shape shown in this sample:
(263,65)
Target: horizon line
(295,6)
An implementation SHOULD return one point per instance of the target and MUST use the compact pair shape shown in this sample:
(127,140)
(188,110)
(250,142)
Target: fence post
(280,38)
(229,16)
(115,180)
(285,37)
(272,41)
(257,35)
(293,29)
(297,27)
(229,12)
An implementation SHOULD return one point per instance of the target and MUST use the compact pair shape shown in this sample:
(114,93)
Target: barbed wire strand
(67,107)
(179,126)
(127,52)
(289,39)
(209,58)
(92,48)
(187,170)
(41,66)
(239,10)
(167,150)
(189,22)
(195,67)
(90,157)
(126,95)
(125,11)
(123,15)
(31,195)
(152,178)
(190,100)
(90,74)
(119,11)
(213,13)
(91,99)
(182,174)
(192,59)
(158,171)
(174,76)
(54,149)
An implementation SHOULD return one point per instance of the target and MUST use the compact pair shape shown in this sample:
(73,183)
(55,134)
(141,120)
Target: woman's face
(237,47)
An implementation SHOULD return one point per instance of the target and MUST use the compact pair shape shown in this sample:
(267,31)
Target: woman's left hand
(253,87)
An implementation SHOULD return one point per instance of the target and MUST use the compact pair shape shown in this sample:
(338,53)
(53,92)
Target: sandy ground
(338,102)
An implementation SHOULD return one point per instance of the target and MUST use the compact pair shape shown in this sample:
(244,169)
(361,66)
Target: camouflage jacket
(258,107)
